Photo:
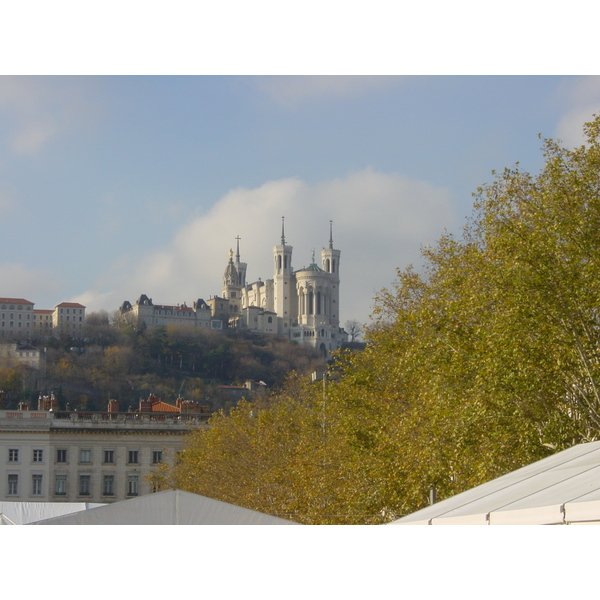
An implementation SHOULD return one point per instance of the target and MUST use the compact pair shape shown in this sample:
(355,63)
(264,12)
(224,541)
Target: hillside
(126,365)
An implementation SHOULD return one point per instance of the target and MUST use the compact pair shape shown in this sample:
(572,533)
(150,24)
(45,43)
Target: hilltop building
(145,312)
(20,320)
(302,305)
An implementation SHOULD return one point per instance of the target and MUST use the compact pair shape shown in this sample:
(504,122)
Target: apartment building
(89,457)
(68,317)
(20,320)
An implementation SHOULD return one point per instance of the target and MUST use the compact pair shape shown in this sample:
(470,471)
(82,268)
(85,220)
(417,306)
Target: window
(61,455)
(60,485)
(109,456)
(36,485)
(38,456)
(13,485)
(132,485)
(13,455)
(156,457)
(85,455)
(84,485)
(133,457)
(108,485)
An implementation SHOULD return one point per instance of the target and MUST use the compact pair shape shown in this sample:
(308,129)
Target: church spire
(282,231)
(237,255)
(331,235)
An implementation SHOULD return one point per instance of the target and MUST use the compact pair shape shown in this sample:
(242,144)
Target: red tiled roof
(70,305)
(16,300)
(161,406)
(42,311)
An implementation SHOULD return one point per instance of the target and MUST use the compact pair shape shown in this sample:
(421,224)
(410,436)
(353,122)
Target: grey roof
(560,489)
(312,267)
(22,513)
(169,507)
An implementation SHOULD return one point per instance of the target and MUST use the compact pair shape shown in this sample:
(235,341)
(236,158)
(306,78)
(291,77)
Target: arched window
(318,303)
(279,263)
(333,266)
(310,303)
(328,266)
(270,320)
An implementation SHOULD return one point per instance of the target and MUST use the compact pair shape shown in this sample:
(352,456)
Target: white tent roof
(561,489)
(170,507)
(22,513)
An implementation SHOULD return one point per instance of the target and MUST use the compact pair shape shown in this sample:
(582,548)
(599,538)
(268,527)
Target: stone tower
(330,260)
(283,282)
(232,288)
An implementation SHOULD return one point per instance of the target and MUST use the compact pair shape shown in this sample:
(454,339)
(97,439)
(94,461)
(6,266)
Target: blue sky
(117,186)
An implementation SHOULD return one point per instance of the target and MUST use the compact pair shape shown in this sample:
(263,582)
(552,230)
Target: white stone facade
(302,305)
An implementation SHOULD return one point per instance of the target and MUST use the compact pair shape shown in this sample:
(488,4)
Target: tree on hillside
(98,330)
(353,329)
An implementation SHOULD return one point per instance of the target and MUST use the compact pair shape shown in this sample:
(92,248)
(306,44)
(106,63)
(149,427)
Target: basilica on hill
(302,305)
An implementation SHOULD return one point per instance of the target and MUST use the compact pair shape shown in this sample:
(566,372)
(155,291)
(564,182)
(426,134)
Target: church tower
(330,259)
(232,289)
(283,282)
(240,266)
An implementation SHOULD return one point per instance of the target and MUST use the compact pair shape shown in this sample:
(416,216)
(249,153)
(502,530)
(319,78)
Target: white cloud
(290,91)
(583,99)
(379,223)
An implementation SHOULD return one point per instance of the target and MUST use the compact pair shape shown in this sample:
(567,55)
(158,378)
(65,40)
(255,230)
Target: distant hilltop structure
(20,320)
(302,305)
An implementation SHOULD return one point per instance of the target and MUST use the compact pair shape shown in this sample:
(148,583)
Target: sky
(117,186)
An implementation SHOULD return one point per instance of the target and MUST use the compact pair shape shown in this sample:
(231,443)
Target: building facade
(145,312)
(69,317)
(20,320)
(95,457)
(303,304)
